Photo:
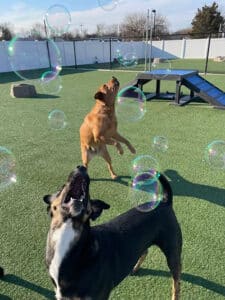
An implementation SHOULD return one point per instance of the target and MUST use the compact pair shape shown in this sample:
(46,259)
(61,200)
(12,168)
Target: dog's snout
(82,169)
(115,80)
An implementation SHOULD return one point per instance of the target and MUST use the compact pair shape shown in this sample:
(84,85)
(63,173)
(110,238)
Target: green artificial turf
(45,157)
(196,64)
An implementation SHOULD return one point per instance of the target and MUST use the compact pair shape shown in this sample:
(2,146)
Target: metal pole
(150,52)
(146,40)
(154,13)
(207,54)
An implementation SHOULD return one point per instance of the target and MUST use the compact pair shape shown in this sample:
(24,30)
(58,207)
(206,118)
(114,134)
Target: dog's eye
(54,207)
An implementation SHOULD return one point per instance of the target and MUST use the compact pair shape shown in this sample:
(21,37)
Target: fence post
(183,48)
(110,53)
(207,53)
(75,56)
(49,56)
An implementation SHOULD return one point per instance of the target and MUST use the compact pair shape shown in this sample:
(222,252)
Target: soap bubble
(160,143)
(108,5)
(7,168)
(50,83)
(146,191)
(27,62)
(130,104)
(161,66)
(58,19)
(215,154)
(144,164)
(126,59)
(57,119)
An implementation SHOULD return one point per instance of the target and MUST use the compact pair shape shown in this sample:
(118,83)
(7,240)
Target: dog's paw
(114,176)
(119,148)
(120,151)
(132,150)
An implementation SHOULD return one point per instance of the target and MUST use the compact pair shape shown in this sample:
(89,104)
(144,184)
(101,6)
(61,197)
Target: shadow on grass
(13,279)
(8,77)
(183,187)
(46,96)
(3,297)
(124,180)
(193,279)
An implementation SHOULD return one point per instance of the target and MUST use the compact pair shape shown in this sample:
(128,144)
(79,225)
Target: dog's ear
(97,207)
(47,199)
(99,96)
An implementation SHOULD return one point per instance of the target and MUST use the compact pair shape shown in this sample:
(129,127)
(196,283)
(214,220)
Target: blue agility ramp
(198,86)
(206,90)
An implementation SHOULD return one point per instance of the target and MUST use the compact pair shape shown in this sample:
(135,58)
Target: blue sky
(23,14)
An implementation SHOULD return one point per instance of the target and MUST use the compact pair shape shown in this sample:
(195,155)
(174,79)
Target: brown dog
(99,128)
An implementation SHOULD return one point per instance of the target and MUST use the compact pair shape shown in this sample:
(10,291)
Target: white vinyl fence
(34,54)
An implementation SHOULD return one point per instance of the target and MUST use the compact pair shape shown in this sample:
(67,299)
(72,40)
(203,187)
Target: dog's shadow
(18,281)
(193,279)
(183,187)
(124,180)
(4,297)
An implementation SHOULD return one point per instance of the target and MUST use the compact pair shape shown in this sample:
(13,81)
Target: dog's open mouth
(75,201)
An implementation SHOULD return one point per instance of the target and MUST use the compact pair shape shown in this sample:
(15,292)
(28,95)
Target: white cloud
(178,13)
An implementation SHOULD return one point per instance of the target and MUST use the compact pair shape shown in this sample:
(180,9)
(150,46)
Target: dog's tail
(167,190)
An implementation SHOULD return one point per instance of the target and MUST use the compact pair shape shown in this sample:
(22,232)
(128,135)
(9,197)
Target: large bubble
(161,66)
(130,104)
(31,59)
(126,58)
(58,19)
(108,5)
(144,164)
(146,191)
(50,83)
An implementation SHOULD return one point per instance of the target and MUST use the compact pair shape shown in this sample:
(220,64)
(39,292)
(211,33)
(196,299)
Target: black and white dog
(86,262)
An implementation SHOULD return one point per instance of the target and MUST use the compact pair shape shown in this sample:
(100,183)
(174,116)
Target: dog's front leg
(121,139)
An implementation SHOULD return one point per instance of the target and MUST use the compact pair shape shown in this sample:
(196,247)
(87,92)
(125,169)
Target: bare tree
(6,32)
(134,25)
(161,26)
(37,31)
(100,29)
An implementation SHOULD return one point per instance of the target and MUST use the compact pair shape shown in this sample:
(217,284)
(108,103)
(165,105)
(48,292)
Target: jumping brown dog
(99,128)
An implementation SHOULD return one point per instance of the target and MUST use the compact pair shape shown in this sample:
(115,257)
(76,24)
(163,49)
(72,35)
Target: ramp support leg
(177,96)
(157,88)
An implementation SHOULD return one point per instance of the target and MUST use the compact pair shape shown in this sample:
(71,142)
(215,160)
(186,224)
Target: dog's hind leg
(121,139)
(105,154)
(174,265)
(139,262)
(173,256)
